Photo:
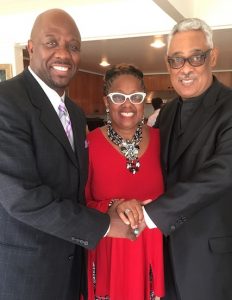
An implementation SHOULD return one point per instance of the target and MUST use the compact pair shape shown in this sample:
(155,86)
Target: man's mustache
(189,76)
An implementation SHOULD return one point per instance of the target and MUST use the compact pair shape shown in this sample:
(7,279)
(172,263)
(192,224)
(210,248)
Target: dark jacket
(43,221)
(195,213)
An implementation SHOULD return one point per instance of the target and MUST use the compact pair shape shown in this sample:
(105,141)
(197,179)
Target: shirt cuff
(150,224)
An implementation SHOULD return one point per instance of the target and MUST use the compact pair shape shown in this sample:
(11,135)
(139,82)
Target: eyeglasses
(195,60)
(119,98)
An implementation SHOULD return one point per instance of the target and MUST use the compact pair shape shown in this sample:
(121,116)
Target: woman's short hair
(121,69)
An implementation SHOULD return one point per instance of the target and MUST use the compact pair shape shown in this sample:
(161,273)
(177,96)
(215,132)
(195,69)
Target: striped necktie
(66,122)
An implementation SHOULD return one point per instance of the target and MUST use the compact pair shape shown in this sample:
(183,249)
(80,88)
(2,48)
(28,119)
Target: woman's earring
(142,121)
(108,120)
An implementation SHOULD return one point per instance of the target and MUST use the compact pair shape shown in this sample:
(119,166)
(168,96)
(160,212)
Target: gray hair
(192,24)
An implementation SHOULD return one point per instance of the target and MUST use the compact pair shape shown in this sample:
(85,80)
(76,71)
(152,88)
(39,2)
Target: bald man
(45,225)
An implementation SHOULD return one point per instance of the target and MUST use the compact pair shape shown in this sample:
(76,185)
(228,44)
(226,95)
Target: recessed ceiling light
(104,63)
(158,43)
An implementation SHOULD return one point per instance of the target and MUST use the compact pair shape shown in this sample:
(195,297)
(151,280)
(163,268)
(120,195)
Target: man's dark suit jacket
(43,221)
(195,213)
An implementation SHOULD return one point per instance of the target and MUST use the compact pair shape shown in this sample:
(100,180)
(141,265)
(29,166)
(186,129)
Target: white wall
(14,30)
(11,53)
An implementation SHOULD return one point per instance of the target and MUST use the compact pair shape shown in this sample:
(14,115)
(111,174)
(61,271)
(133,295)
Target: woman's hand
(118,229)
(130,212)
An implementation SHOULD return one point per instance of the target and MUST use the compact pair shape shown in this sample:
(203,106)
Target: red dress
(120,269)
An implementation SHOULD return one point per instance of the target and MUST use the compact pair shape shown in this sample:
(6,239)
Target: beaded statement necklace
(129,148)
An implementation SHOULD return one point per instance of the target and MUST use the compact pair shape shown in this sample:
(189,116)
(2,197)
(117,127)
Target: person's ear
(30,48)
(167,64)
(105,101)
(213,57)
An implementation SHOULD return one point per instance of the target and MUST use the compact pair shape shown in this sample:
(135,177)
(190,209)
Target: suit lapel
(76,127)
(197,122)
(48,116)
(167,120)
(50,119)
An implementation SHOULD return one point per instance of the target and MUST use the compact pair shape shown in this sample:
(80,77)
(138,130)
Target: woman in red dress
(125,163)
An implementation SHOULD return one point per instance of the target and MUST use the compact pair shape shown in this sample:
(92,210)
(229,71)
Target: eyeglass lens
(194,60)
(135,98)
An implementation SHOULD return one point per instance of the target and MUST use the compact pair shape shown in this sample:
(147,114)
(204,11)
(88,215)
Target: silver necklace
(129,148)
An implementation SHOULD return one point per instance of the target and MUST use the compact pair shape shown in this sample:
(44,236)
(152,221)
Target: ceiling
(122,30)
(137,50)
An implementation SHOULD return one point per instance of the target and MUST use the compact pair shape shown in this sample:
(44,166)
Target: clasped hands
(126,218)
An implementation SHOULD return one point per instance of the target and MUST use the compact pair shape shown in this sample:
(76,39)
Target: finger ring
(127,211)
(136,231)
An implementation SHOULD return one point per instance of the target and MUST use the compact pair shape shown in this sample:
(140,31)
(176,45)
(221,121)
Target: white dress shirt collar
(51,94)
